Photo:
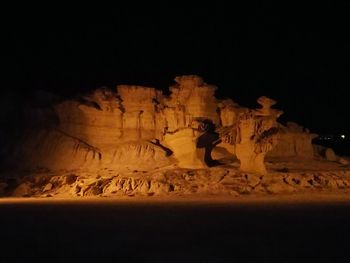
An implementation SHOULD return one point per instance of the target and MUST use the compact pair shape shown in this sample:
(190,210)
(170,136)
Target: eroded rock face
(228,112)
(293,141)
(142,155)
(183,143)
(215,181)
(195,99)
(330,155)
(256,135)
(56,150)
(97,120)
(139,128)
(139,112)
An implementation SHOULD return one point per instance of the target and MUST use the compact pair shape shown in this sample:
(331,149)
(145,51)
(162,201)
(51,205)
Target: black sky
(297,54)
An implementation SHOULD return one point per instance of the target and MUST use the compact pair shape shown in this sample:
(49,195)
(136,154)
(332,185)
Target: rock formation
(256,135)
(293,141)
(139,128)
(194,99)
(183,144)
(228,112)
(174,182)
(97,120)
(136,141)
(139,112)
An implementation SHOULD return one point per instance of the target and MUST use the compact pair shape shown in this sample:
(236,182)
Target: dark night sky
(298,54)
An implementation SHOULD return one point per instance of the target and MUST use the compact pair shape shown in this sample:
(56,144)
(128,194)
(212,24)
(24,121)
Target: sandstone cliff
(139,128)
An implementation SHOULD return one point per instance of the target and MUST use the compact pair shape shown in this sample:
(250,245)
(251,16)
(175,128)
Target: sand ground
(335,197)
(276,228)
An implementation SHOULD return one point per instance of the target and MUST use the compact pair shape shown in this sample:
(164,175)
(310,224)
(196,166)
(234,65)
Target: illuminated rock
(139,112)
(343,161)
(48,187)
(330,155)
(279,188)
(55,150)
(142,155)
(256,135)
(23,190)
(194,98)
(218,181)
(97,120)
(175,118)
(183,143)
(137,128)
(293,141)
(228,112)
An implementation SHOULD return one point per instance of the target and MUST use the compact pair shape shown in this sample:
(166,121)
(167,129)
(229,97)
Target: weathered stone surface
(183,145)
(137,129)
(48,187)
(330,155)
(139,116)
(293,141)
(216,181)
(55,150)
(228,112)
(141,155)
(280,188)
(253,180)
(343,161)
(256,135)
(195,97)
(23,190)
(97,120)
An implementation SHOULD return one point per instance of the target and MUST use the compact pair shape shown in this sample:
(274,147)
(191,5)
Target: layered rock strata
(139,128)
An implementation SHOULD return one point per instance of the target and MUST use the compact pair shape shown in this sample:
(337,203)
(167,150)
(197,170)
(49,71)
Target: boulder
(256,135)
(280,188)
(330,155)
(343,161)
(183,144)
(23,190)
(48,187)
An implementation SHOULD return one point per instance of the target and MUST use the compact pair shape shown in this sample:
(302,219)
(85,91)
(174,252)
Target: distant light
(342,136)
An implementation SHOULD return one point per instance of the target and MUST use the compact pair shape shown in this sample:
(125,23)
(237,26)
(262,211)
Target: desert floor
(280,228)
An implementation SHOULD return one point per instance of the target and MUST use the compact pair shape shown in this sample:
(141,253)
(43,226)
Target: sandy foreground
(290,199)
(312,227)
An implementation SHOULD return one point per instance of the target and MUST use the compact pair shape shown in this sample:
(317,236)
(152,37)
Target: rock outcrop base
(175,182)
